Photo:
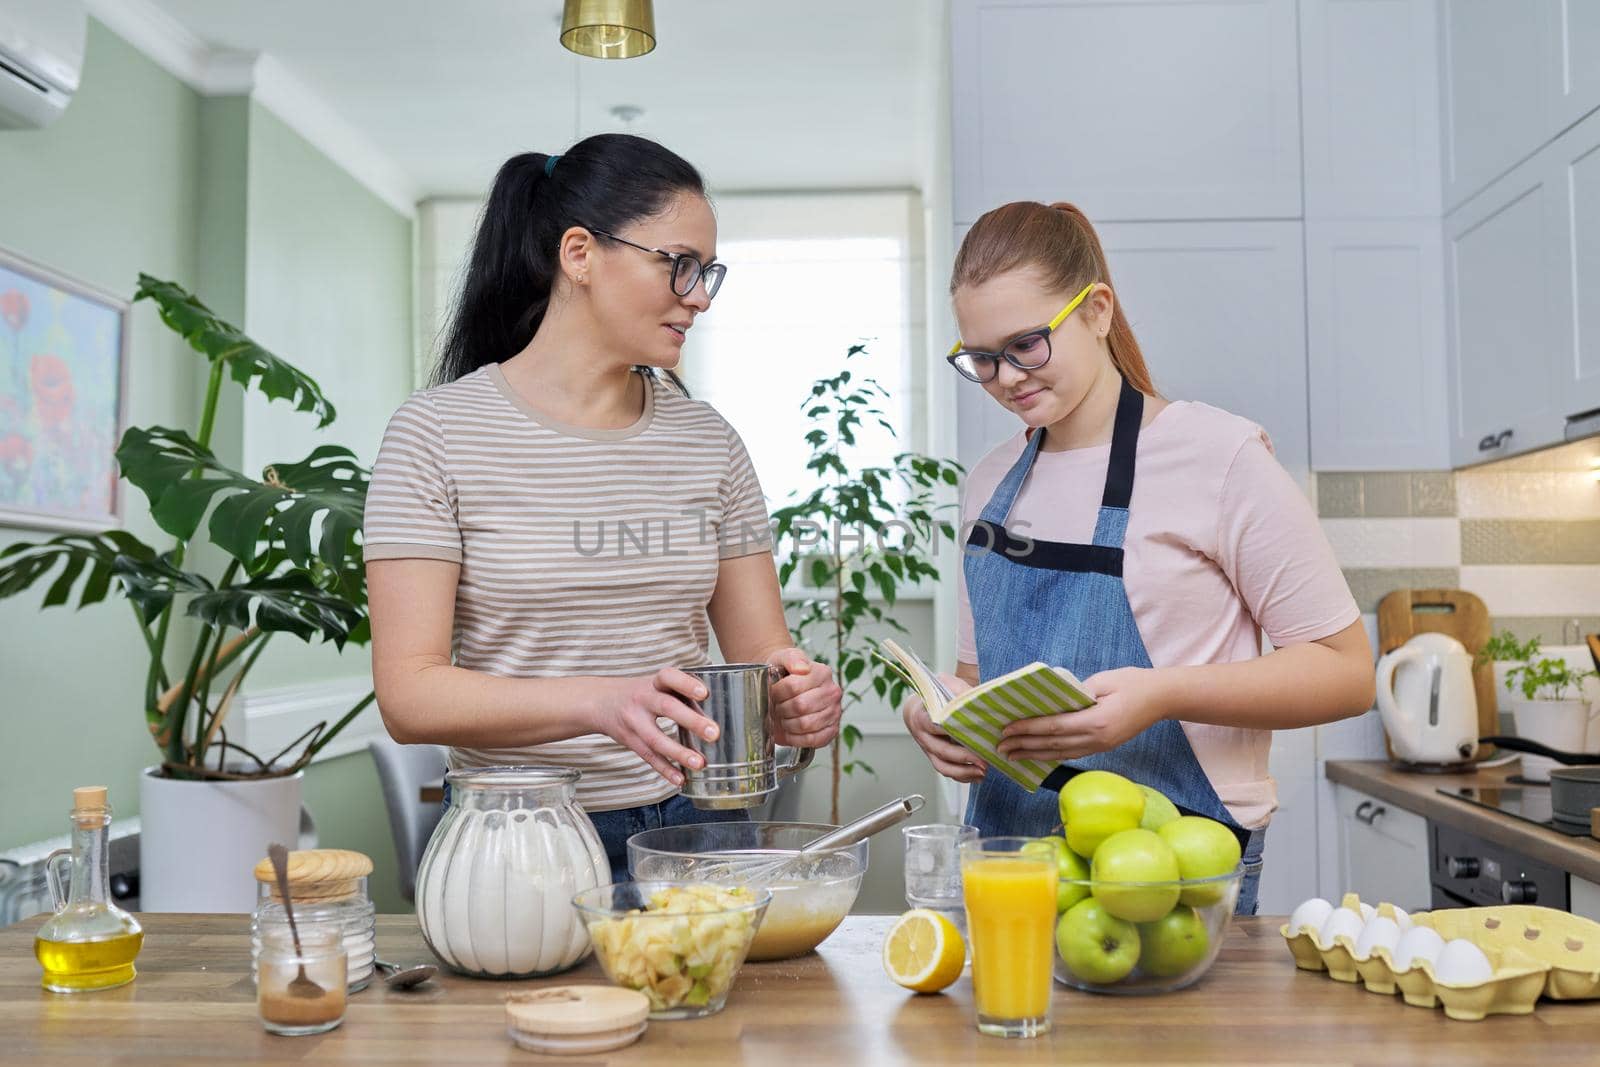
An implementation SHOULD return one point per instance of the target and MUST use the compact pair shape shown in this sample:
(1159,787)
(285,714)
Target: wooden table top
(1419,793)
(193,1003)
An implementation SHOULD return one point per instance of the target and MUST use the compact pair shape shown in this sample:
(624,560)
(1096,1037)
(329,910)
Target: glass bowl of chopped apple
(681,944)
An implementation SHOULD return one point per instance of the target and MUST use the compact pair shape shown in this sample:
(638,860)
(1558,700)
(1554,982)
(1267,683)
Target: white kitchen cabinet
(1574,160)
(1507,299)
(1577,49)
(1585,900)
(1383,851)
(1375,337)
(1219,310)
(1523,290)
(1369,77)
(1140,109)
(1499,80)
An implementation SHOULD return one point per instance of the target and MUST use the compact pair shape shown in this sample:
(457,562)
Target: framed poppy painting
(63,399)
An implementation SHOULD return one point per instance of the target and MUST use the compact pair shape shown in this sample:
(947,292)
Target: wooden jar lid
(319,873)
(576,1019)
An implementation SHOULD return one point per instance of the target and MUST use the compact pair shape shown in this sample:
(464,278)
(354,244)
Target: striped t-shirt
(582,552)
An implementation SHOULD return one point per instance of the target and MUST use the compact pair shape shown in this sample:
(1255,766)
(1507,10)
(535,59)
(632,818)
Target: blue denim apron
(1065,604)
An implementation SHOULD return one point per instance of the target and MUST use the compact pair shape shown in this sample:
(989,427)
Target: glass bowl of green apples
(1145,894)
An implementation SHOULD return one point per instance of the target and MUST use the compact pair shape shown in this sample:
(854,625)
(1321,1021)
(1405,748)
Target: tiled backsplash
(1523,534)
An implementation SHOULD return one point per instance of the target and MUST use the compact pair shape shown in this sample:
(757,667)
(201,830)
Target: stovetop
(1529,801)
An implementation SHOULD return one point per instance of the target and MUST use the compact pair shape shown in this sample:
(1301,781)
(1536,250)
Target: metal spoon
(301,985)
(398,977)
(875,821)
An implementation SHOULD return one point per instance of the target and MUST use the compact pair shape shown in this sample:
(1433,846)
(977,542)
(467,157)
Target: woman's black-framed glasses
(687,271)
(1028,351)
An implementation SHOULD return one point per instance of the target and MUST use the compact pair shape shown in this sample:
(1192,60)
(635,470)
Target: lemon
(924,951)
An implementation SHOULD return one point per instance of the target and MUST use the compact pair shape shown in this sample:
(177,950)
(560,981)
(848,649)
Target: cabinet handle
(1362,809)
(1492,441)
(1582,424)
(1373,815)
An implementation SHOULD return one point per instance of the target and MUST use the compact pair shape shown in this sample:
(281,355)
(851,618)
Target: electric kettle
(1427,700)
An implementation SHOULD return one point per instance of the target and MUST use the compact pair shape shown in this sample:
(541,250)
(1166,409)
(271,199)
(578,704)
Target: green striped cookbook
(976,717)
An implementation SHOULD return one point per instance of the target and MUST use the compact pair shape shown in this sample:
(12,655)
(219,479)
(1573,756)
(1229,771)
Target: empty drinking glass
(933,868)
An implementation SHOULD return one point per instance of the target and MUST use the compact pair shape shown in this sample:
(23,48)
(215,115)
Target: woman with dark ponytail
(1156,589)
(555,528)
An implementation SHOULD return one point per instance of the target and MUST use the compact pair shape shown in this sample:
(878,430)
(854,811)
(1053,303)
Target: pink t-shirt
(1222,545)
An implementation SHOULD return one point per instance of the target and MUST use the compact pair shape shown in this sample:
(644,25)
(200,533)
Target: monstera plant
(290,560)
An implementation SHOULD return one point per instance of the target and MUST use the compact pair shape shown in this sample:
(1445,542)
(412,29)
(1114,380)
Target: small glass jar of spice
(301,989)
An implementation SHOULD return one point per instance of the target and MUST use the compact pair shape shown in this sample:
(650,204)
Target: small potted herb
(1548,705)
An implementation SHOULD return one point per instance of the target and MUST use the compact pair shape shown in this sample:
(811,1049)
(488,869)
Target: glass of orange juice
(1011,916)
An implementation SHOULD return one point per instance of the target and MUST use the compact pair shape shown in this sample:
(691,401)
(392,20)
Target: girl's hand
(807,705)
(948,756)
(1127,701)
(627,713)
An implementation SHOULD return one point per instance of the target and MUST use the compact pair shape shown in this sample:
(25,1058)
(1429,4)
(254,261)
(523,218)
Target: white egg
(1380,931)
(1309,916)
(1341,922)
(1367,912)
(1461,962)
(1417,943)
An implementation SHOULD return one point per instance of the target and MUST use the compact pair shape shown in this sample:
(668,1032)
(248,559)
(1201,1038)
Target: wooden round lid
(574,1010)
(319,865)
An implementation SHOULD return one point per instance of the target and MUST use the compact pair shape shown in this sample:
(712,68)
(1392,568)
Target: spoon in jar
(301,985)
(398,977)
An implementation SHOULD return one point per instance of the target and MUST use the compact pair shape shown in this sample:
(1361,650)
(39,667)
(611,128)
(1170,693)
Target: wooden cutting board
(1405,613)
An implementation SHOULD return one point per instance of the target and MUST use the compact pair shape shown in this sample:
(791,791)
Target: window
(809,275)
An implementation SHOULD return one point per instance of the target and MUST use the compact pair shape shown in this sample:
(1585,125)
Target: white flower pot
(199,842)
(1559,724)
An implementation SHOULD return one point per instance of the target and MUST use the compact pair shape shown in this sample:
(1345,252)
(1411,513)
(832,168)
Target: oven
(1466,871)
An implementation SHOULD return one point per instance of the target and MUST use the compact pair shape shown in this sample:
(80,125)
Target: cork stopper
(88,798)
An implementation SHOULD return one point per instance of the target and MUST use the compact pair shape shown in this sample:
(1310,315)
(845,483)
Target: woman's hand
(807,705)
(948,756)
(1127,701)
(628,710)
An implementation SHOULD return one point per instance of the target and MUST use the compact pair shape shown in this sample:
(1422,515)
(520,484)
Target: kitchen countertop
(1420,793)
(193,1003)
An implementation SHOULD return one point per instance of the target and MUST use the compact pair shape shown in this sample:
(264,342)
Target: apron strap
(1124,447)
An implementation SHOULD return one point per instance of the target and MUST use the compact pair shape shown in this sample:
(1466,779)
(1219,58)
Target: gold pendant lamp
(608,29)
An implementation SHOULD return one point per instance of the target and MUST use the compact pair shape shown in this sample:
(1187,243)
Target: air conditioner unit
(41,59)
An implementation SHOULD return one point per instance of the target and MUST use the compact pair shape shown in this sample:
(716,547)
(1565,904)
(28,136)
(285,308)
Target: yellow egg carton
(1532,951)
(1569,945)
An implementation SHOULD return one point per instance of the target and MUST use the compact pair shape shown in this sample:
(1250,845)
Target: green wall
(107,191)
(142,173)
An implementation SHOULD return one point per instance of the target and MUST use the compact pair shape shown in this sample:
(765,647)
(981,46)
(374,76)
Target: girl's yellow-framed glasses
(1027,351)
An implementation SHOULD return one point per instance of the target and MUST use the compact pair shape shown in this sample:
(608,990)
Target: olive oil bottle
(89,943)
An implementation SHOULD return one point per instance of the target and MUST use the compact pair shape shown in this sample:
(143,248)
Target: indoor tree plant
(861,528)
(290,562)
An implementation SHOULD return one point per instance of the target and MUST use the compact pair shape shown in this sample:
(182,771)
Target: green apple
(1205,848)
(1097,804)
(1069,865)
(1123,866)
(1158,810)
(1096,945)
(1173,943)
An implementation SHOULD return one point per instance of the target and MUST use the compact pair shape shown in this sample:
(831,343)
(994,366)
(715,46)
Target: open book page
(977,717)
